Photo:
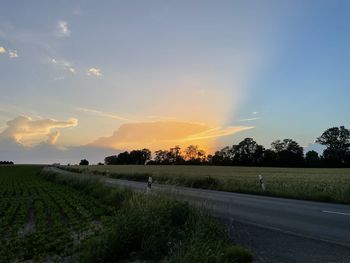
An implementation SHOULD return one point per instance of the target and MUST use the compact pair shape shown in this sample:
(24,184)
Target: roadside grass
(317,184)
(152,228)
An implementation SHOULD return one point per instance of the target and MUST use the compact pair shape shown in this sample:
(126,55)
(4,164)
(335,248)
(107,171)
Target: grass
(318,184)
(132,227)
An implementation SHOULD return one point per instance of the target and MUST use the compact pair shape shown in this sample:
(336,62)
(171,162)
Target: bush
(236,254)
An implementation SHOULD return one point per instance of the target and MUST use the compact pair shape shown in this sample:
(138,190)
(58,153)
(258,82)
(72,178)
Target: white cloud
(2,50)
(94,72)
(249,119)
(65,65)
(13,53)
(63,29)
(25,130)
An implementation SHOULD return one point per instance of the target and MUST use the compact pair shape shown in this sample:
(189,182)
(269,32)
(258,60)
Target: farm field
(319,184)
(40,220)
(47,217)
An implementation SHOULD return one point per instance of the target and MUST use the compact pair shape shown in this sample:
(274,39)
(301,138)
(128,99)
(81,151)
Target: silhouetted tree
(139,156)
(123,158)
(247,152)
(289,153)
(194,155)
(110,160)
(223,157)
(175,156)
(6,163)
(312,159)
(269,158)
(84,162)
(337,141)
(161,157)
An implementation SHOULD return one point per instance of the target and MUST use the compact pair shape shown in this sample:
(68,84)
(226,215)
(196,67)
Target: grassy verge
(318,184)
(152,228)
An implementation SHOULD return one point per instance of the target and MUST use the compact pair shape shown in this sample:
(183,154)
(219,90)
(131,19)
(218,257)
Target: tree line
(282,153)
(6,163)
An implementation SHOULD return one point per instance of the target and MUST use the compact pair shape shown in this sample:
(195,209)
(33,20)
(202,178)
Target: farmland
(45,217)
(319,184)
(41,220)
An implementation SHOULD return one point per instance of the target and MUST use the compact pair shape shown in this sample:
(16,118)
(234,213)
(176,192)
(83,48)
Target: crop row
(40,219)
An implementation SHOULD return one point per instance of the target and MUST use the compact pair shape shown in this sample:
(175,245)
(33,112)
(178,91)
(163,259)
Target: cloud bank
(164,134)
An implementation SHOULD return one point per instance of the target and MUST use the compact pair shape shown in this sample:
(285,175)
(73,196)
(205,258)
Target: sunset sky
(78,78)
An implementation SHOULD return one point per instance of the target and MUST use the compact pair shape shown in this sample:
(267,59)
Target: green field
(319,184)
(41,220)
(46,217)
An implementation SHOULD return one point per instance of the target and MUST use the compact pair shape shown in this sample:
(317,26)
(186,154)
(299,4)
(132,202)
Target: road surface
(275,229)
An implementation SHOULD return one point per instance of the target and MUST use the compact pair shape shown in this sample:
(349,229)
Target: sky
(90,78)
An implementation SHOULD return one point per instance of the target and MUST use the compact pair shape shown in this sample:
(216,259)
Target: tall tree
(84,162)
(161,157)
(337,141)
(289,153)
(248,152)
(110,160)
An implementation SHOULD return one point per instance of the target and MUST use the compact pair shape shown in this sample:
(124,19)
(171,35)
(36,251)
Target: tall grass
(152,228)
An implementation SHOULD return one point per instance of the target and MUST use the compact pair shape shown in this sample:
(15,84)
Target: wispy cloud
(105,114)
(248,119)
(2,50)
(255,112)
(63,30)
(217,132)
(65,65)
(13,53)
(94,72)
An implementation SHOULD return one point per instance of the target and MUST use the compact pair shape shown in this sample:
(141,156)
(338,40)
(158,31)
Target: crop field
(48,217)
(40,220)
(319,184)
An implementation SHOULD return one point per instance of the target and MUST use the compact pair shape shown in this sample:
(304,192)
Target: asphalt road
(275,229)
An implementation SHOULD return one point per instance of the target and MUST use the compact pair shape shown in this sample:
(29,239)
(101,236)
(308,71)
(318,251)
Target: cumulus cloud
(164,134)
(94,72)
(23,129)
(13,53)
(2,50)
(63,30)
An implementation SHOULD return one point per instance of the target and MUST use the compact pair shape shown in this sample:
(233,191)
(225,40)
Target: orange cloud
(23,129)
(164,134)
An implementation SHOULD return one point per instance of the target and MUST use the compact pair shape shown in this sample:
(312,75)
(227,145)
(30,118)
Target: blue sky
(265,69)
